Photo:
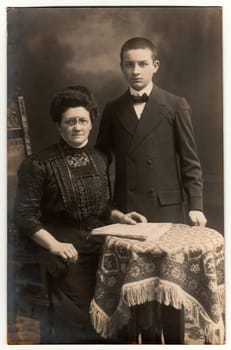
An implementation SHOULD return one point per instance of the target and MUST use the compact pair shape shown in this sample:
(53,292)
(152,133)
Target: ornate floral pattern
(185,267)
(78,160)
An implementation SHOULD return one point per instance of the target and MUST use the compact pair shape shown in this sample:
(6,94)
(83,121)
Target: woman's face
(75,126)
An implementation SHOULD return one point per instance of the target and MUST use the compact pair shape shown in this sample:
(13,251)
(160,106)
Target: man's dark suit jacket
(156,157)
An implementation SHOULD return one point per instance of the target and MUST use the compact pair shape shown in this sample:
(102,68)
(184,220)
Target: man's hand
(132,218)
(197,218)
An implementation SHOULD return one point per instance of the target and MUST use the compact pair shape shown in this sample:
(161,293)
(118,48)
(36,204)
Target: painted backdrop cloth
(184,268)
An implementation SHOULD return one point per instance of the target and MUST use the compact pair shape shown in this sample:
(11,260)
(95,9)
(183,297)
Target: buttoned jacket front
(156,156)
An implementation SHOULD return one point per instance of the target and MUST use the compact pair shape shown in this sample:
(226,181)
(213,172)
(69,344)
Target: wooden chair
(28,292)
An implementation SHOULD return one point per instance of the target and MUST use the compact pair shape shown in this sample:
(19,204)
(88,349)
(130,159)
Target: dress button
(149,162)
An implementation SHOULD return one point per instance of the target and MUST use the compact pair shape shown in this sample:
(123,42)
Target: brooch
(78,160)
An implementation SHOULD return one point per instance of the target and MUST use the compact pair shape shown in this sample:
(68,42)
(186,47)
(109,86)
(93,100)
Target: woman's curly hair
(73,96)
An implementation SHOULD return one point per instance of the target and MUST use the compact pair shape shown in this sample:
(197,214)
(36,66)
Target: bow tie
(140,99)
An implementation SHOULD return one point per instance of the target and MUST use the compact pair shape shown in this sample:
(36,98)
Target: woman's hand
(131,218)
(65,250)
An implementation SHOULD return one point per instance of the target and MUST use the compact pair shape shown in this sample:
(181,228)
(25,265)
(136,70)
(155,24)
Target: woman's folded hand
(65,250)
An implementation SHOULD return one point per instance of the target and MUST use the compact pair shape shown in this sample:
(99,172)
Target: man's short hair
(138,43)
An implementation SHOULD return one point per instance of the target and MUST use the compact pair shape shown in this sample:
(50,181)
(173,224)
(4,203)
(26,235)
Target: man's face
(138,67)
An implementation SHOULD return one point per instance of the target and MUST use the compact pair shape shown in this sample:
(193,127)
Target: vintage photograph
(115,175)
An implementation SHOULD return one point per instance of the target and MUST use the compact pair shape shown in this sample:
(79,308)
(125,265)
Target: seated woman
(63,193)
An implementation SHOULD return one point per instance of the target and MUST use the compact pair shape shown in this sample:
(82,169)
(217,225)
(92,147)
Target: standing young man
(150,132)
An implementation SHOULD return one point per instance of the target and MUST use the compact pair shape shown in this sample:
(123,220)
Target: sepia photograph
(115,175)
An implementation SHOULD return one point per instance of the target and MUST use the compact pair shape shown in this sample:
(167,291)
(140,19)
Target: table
(184,268)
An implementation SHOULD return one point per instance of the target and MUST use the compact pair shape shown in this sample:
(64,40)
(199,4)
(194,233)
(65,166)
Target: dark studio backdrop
(50,48)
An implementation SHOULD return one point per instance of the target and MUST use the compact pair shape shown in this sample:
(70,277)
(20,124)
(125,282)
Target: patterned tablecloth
(184,268)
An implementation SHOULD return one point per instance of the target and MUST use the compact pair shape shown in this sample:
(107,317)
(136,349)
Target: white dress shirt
(139,107)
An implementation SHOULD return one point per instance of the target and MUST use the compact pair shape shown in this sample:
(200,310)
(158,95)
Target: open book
(141,231)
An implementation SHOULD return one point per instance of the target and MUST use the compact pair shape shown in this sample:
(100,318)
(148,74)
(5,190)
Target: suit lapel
(152,115)
(127,115)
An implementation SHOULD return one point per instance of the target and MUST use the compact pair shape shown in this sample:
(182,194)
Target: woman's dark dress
(65,191)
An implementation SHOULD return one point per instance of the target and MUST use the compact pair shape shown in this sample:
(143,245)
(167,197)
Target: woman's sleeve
(108,202)
(31,183)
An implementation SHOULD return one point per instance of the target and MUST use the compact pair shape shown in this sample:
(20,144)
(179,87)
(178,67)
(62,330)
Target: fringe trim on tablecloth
(221,295)
(108,326)
(164,292)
